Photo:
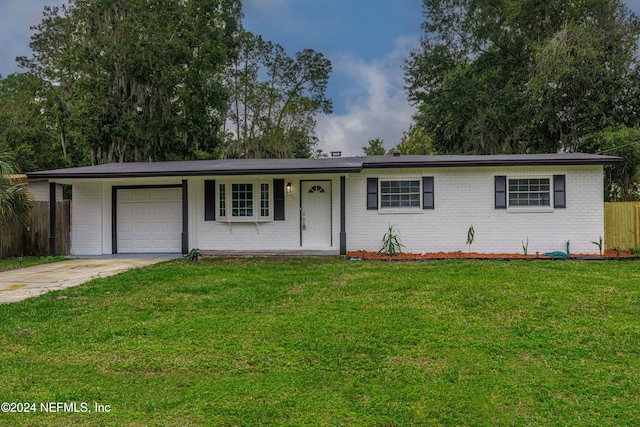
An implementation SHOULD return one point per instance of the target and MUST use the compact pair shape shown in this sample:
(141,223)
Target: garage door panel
(142,211)
(125,195)
(141,227)
(158,227)
(125,245)
(143,196)
(142,245)
(149,220)
(125,209)
(160,195)
(160,243)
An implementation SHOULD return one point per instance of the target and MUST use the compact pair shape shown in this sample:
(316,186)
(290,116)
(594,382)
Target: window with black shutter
(501,192)
(209,200)
(559,194)
(278,199)
(427,192)
(372,193)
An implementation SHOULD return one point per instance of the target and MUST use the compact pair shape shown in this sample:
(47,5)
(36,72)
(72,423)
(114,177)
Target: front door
(315,220)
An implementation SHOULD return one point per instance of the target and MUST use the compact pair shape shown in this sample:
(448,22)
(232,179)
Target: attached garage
(148,220)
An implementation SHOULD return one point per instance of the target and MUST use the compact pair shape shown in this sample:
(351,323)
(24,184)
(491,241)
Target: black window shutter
(278,199)
(209,200)
(559,194)
(501,192)
(427,192)
(372,193)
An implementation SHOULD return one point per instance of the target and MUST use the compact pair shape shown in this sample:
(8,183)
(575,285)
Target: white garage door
(149,220)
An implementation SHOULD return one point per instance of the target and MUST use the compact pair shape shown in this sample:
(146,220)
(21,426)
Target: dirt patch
(14,287)
(474,255)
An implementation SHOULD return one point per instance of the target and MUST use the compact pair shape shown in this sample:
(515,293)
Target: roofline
(490,162)
(159,174)
(354,165)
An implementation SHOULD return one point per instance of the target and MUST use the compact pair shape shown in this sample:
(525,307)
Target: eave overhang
(314,166)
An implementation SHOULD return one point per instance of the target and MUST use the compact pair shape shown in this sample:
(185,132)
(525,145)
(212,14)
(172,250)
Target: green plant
(391,242)
(525,247)
(470,236)
(599,245)
(194,254)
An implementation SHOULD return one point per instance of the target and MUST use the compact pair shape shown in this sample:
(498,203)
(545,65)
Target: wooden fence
(622,225)
(32,239)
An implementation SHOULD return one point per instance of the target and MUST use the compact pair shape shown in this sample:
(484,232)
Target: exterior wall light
(288,188)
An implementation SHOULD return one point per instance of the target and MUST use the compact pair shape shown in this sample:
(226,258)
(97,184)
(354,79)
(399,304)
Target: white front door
(316,214)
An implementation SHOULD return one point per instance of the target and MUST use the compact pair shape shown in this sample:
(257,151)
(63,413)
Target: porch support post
(343,217)
(114,220)
(53,243)
(185,217)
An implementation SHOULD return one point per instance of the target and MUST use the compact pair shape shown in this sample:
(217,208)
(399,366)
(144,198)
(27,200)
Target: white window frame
(530,208)
(256,199)
(395,209)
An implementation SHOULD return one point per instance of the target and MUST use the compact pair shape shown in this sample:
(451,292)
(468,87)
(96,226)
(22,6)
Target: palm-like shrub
(14,197)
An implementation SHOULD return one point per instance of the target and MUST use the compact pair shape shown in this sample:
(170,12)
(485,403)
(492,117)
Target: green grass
(332,342)
(27,261)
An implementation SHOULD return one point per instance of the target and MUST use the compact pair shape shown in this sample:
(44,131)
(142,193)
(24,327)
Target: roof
(323,165)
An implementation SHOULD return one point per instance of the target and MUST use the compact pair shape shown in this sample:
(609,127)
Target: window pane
(264,199)
(223,201)
(242,200)
(400,194)
(529,192)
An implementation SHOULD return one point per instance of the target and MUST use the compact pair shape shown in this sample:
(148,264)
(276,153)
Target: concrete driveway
(19,284)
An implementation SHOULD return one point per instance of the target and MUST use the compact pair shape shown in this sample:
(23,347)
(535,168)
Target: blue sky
(367,42)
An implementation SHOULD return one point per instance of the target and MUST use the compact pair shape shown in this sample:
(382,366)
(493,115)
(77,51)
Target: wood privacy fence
(32,239)
(622,225)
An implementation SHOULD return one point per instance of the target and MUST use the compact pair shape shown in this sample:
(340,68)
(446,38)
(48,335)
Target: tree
(522,75)
(375,148)
(136,79)
(621,180)
(14,198)
(416,142)
(274,100)
(24,129)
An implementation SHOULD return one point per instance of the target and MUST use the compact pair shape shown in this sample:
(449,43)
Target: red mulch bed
(474,255)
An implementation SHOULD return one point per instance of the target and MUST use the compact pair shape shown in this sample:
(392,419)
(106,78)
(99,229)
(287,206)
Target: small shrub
(391,242)
(471,233)
(194,254)
(599,245)
(525,247)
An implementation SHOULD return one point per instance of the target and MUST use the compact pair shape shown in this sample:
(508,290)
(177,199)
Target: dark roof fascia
(491,162)
(159,174)
(344,165)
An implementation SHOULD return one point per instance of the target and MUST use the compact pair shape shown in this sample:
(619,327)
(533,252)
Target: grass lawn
(27,261)
(332,342)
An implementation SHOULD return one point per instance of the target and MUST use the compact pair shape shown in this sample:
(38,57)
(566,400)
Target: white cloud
(377,106)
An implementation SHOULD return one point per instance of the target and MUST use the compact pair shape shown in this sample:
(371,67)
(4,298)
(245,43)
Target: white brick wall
(41,190)
(465,196)
(274,235)
(87,219)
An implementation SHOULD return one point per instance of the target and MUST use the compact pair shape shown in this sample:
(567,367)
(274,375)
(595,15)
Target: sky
(367,42)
